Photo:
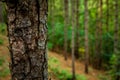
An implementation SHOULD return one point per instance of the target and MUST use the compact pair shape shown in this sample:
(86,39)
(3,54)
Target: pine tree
(66,23)
(116,41)
(27,34)
(73,38)
(77,30)
(98,43)
(86,37)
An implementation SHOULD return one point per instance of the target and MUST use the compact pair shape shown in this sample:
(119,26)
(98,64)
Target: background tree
(86,37)
(1,12)
(107,16)
(77,29)
(66,23)
(98,47)
(52,5)
(116,41)
(73,38)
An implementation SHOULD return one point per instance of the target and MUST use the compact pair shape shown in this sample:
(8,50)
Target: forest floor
(79,66)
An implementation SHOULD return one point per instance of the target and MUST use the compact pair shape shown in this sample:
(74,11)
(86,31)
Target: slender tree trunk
(116,39)
(96,39)
(77,30)
(86,37)
(52,12)
(27,32)
(107,16)
(66,23)
(98,47)
(73,38)
(1,9)
(100,32)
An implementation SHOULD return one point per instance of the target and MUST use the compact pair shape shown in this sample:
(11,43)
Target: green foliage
(50,45)
(81,77)
(103,77)
(4,73)
(53,60)
(4,12)
(2,28)
(62,74)
(1,41)
(1,61)
(56,35)
(3,70)
(114,71)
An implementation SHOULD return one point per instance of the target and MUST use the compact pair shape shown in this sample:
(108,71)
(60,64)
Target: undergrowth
(61,74)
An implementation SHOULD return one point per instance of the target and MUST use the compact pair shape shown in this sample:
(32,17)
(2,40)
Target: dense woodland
(88,29)
(80,31)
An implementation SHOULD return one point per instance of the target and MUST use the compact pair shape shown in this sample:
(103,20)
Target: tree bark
(66,15)
(107,16)
(27,33)
(100,33)
(73,38)
(86,37)
(77,30)
(98,43)
(116,39)
(1,14)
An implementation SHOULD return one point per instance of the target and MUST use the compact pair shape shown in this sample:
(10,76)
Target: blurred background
(83,40)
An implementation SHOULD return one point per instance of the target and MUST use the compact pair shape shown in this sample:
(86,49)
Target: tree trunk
(73,38)
(116,39)
(77,30)
(86,37)
(52,12)
(1,9)
(100,32)
(107,16)
(98,47)
(65,28)
(27,32)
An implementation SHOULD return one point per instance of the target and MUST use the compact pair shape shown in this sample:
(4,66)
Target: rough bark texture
(73,38)
(27,39)
(66,22)
(86,37)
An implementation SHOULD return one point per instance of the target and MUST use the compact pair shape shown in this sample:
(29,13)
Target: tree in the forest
(1,9)
(77,30)
(51,10)
(98,43)
(86,36)
(66,22)
(116,41)
(107,16)
(27,34)
(73,37)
